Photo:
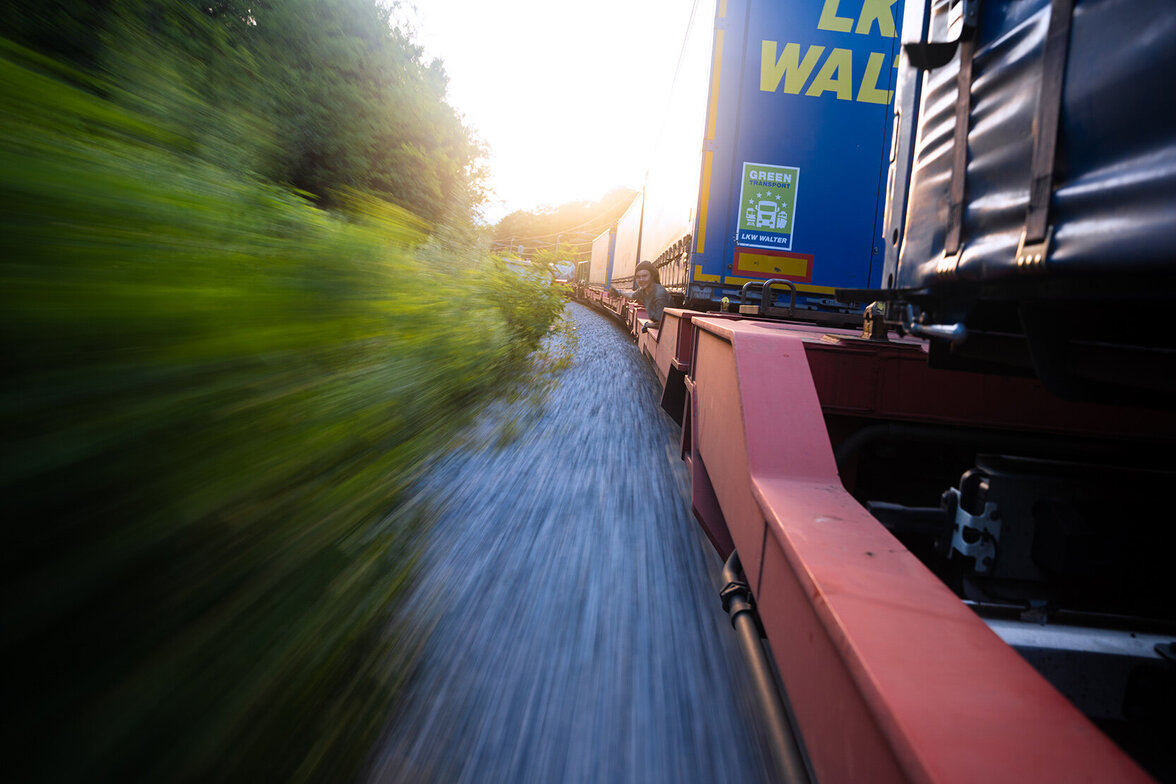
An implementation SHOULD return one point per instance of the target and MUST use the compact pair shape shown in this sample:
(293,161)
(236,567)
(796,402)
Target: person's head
(645,275)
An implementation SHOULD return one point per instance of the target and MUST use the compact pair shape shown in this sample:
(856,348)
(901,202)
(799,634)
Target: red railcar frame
(890,676)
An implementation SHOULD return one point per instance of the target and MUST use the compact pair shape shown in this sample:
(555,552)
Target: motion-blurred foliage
(320,94)
(214,393)
(565,231)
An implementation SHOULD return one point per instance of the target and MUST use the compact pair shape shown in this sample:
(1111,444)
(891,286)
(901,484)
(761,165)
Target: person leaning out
(649,292)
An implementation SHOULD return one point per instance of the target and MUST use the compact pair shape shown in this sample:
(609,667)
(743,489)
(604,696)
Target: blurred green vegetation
(318,94)
(565,231)
(216,391)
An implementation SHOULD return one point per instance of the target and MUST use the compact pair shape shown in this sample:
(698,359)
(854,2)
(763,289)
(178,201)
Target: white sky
(567,95)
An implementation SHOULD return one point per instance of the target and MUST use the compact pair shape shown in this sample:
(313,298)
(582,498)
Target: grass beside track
(213,394)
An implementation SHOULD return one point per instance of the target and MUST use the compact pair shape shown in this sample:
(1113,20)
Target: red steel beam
(890,676)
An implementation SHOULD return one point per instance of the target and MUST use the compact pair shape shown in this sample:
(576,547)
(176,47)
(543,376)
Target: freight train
(924,258)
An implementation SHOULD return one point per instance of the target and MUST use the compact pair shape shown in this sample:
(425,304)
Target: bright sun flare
(569,98)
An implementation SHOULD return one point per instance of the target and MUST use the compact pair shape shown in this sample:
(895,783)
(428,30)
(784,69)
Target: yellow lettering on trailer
(831,21)
(789,67)
(869,92)
(836,75)
(876,10)
(879,11)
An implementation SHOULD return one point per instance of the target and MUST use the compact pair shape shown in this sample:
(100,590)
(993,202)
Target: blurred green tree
(214,391)
(319,95)
(573,225)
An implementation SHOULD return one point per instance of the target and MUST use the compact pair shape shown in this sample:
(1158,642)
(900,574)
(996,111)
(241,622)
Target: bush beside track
(214,394)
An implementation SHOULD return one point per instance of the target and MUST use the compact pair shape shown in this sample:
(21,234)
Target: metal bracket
(963,17)
(765,295)
(737,598)
(736,589)
(961,24)
(983,530)
(1031,256)
(874,322)
(946,267)
(953,333)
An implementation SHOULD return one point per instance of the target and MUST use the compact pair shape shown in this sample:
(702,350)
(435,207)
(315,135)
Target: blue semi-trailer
(773,160)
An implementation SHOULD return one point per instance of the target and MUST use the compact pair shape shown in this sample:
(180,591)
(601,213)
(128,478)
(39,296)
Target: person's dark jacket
(655,300)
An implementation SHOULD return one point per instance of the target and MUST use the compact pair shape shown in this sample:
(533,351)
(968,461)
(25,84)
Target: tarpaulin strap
(1035,239)
(959,165)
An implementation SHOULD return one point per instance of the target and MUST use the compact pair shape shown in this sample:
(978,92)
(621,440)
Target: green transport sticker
(767,205)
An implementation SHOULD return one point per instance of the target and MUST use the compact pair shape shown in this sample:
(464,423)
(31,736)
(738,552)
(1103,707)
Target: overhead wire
(562,243)
(665,114)
(571,229)
(580,225)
